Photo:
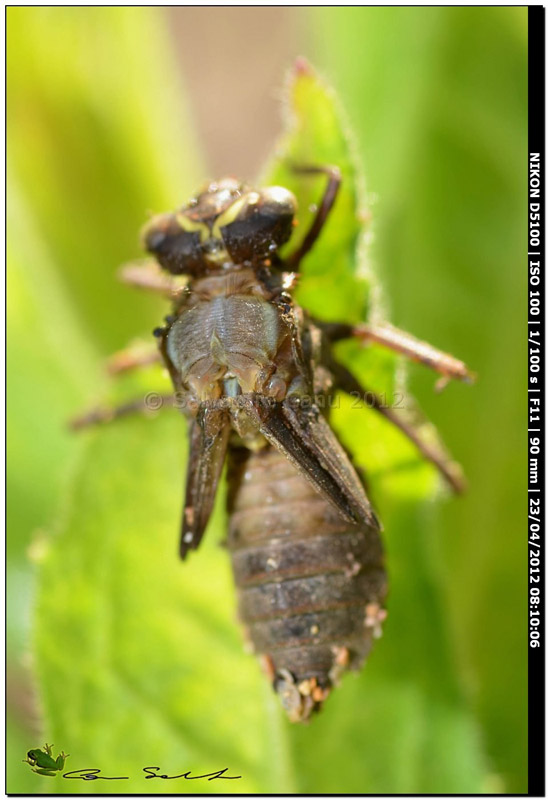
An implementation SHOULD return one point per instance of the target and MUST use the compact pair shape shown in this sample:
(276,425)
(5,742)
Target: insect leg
(98,416)
(143,354)
(135,356)
(148,275)
(326,204)
(401,342)
(437,456)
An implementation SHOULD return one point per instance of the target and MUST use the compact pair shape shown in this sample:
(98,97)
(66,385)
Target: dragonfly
(254,374)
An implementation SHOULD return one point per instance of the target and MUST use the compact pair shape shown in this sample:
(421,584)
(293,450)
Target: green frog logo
(43,763)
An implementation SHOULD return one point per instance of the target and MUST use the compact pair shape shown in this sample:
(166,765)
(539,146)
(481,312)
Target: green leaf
(337,281)
(316,136)
(140,657)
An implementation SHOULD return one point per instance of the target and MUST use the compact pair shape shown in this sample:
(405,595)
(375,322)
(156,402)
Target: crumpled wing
(302,434)
(209,434)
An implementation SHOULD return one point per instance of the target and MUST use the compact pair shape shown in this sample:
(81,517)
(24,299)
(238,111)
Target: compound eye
(258,223)
(278,201)
(178,251)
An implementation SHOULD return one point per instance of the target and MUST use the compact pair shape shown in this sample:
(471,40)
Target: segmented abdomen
(311,585)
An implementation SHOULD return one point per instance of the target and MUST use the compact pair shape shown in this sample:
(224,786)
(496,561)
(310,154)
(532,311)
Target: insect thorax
(231,337)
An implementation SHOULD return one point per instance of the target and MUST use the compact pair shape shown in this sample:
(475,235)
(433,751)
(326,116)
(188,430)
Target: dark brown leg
(151,403)
(448,468)
(328,199)
(406,344)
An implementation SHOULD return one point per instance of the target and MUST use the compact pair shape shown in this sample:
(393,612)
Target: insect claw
(441,383)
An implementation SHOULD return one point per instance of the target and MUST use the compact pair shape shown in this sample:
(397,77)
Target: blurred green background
(116,112)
